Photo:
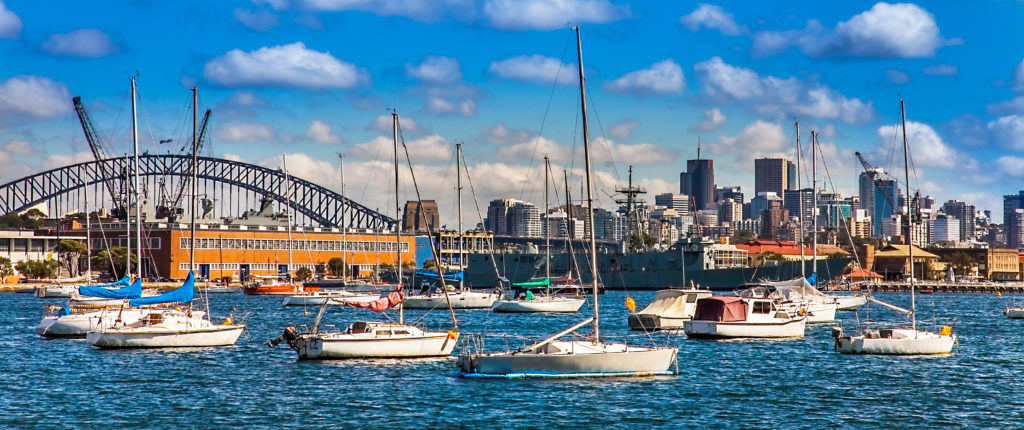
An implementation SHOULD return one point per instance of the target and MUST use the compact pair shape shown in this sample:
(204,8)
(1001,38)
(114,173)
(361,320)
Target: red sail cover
(382,304)
(721,308)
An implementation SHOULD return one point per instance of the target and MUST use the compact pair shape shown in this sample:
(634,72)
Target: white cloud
(284,66)
(260,20)
(1018,77)
(623,129)
(927,149)
(10,24)
(417,10)
(897,77)
(385,124)
(436,70)
(1008,107)
(427,149)
(440,106)
(19,147)
(502,135)
(757,140)
(602,151)
(83,43)
(320,132)
(783,97)
(1011,166)
(550,14)
(901,30)
(942,70)
(1008,132)
(663,77)
(713,17)
(535,68)
(246,99)
(246,132)
(34,96)
(713,118)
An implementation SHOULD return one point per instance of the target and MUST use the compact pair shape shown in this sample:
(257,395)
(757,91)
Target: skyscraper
(791,176)
(791,203)
(866,188)
(1013,219)
(965,214)
(885,194)
(698,182)
(679,202)
(771,175)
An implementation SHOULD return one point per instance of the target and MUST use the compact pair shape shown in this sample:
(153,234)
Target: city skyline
(314,78)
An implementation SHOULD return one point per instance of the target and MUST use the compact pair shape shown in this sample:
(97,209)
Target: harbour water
(734,384)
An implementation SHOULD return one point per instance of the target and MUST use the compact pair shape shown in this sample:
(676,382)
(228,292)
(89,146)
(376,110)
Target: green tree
(303,274)
(69,252)
(336,267)
(5,268)
(115,255)
(960,261)
(744,236)
(37,269)
(429,264)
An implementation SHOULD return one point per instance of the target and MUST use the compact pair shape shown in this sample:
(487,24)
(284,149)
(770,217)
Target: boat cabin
(729,309)
(378,329)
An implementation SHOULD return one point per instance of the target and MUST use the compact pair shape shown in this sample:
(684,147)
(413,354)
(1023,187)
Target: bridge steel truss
(319,204)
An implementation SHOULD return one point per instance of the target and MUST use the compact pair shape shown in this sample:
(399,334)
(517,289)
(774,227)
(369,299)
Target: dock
(938,287)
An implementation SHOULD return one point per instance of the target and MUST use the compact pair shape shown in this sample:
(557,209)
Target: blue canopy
(184,293)
(457,276)
(130,292)
(813,279)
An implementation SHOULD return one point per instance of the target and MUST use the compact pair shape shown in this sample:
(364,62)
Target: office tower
(1013,220)
(866,188)
(886,192)
(761,202)
(791,182)
(728,192)
(791,203)
(771,175)
(698,182)
(944,228)
(679,202)
(965,214)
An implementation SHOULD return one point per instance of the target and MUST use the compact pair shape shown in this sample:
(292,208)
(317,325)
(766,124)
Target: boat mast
(398,227)
(590,200)
(547,225)
(344,228)
(88,236)
(800,204)
(910,222)
(814,199)
(138,206)
(127,217)
(195,164)
(458,185)
(288,211)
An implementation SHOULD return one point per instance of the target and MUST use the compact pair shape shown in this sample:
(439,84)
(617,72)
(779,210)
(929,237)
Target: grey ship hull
(639,271)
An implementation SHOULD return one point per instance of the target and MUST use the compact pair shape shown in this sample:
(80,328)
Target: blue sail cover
(123,282)
(130,292)
(184,293)
(457,276)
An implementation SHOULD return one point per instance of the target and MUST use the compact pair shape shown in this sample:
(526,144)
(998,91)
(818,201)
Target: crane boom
(188,178)
(95,145)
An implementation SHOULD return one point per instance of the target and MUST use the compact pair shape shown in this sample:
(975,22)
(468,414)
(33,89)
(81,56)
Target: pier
(937,287)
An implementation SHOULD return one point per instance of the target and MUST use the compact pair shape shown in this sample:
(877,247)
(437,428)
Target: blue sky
(312,78)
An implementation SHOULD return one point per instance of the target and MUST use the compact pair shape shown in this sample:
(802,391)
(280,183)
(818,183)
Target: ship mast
(344,228)
(814,199)
(547,225)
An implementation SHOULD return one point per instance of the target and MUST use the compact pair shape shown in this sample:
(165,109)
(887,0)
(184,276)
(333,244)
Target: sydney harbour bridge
(236,186)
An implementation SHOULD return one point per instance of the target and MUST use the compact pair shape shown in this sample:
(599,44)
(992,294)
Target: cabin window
(691,298)
(762,307)
(401,332)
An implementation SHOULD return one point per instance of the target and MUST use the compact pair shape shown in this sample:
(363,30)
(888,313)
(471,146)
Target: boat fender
(227,321)
(946,330)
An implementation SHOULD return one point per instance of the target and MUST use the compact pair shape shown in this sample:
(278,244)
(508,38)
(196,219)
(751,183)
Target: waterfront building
(965,214)
(1013,219)
(473,242)
(892,262)
(418,217)
(789,250)
(698,182)
(771,175)
(994,264)
(26,245)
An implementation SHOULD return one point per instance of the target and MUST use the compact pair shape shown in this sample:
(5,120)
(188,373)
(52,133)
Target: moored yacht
(742,317)
(669,310)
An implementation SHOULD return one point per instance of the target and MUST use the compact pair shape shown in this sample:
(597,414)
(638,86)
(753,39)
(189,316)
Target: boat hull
(613,360)
(539,305)
(1015,313)
(344,346)
(924,343)
(76,326)
(850,303)
(792,328)
(464,300)
(214,335)
(651,322)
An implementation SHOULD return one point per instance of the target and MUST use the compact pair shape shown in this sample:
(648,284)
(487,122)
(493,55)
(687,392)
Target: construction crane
(914,202)
(97,148)
(187,149)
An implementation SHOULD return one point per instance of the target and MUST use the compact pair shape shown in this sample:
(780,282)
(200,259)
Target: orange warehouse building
(242,252)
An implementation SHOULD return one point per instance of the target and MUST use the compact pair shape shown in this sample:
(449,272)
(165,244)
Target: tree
(960,261)
(37,269)
(838,254)
(115,255)
(336,267)
(744,236)
(304,274)
(5,268)
(69,252)
(429,264)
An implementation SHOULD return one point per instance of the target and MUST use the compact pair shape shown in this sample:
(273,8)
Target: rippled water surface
(737,384)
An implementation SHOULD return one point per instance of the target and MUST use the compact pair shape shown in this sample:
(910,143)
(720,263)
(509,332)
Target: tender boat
(720,317)
(1015,313)
(274,287)
(669,310)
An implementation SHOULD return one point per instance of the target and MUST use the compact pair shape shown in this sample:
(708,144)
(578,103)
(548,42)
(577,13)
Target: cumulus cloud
(500,134)
(897,77)
(967,130)
(19,147)
(427,149)
(34,96)
(83,43)
(901,30)
(10,24)
(712,17)
(1008,132)
(246,132)
(320,132)
(927,149)
(663,77)
(713,118)
(417,10)
(1011,165)
(436,70)
(535,68)
(757,140)
(283,66)
(1016,105)
(442,106)
(603,151)
(550,14)
(623,129)
(1018,77)
(786,97)
(942,70)
(384,123)
(259,20)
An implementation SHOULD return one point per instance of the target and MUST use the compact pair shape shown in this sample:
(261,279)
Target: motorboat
(1014,313)
(273,286)
(668,310)
(720,317)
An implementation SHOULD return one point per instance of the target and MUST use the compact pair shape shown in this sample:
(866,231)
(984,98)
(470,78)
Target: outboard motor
(288,336)
(837,333)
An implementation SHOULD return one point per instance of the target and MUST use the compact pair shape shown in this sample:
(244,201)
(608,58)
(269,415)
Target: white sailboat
(553,357)
(528,302)
(74,319)
(899,341)
(375,339)
(461,298)
(161,328)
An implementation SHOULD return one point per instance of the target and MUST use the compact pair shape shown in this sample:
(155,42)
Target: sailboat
(374,339)
(899,341)
(74,319)
(161,328)
(547,302)
(553,357)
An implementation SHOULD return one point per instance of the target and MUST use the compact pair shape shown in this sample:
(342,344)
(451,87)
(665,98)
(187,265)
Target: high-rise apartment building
(965,214)
(771,175)
(510,217)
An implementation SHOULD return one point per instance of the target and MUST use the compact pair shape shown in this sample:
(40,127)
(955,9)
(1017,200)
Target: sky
(312,79)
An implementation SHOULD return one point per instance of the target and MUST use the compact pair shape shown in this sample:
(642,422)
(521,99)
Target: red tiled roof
(862,274)
(756,247)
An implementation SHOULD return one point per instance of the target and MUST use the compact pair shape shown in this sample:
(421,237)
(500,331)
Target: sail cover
(123,282)
(668,303)
(457,276)
(129,292)
(799,289)
(184,293)
(385,302)
(541,283)
(721,308)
